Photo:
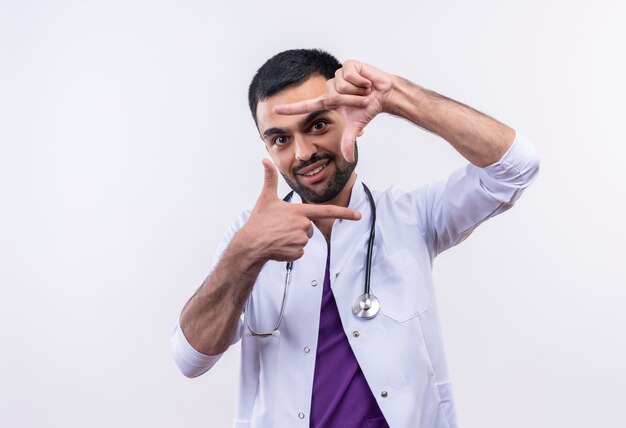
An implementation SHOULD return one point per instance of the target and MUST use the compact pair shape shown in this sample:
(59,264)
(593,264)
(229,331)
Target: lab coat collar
(357,196)
(347,236)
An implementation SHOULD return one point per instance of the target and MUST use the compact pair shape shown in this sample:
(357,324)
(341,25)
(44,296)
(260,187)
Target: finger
(317,212)
(352,72)
(374,75)
(357,101)
(321,103)
(309,232)
(342,86)
(270,179)
(306,106)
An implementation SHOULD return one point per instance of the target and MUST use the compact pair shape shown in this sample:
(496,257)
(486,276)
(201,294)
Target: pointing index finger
(301,107)
(317,212)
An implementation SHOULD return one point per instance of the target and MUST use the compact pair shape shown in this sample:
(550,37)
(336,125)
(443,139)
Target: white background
(127,149)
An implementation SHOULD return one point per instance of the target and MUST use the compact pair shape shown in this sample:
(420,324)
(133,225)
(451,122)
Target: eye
(318,126)
(280,140)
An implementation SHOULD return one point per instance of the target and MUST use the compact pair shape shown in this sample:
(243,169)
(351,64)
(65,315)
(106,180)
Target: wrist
(404,96)
(244,247)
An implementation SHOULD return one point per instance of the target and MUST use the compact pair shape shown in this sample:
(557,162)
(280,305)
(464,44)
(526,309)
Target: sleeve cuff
(189,361)
(519,165)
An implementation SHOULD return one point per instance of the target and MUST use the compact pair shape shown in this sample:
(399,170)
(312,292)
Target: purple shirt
(341,395)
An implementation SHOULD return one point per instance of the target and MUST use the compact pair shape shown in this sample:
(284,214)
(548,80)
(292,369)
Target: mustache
(314,158)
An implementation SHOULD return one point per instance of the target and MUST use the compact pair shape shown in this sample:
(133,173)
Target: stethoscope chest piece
(366,306)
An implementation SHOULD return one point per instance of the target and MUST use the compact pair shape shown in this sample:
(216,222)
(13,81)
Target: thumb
(270,179)
(348,140)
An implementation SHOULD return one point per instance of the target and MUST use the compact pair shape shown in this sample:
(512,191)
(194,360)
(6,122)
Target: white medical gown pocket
(401,286)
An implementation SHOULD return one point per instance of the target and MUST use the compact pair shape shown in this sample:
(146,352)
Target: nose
(304,149)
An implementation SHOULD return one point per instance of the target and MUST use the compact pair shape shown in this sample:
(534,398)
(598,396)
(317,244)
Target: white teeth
(315,171)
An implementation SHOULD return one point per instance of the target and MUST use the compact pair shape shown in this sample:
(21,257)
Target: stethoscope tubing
(370,243)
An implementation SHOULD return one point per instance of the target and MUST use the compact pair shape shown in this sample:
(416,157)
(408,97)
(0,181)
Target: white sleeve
(471,195)
(189,361)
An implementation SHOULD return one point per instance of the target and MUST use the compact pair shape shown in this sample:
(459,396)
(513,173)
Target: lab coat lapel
(348,236)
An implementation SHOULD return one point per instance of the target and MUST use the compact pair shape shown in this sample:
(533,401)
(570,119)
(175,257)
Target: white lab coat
(400,351)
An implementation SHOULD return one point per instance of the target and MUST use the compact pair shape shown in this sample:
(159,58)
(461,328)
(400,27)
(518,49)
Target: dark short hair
(287,69)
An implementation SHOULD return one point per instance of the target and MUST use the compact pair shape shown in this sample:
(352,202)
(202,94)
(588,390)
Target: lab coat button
(356,333)
(314,283)
(307,349)
(384,394)
(301,415)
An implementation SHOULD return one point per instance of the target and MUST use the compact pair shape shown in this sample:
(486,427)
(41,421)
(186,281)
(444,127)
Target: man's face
(306,147)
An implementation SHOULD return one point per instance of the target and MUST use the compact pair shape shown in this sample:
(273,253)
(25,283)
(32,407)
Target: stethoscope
(365,306)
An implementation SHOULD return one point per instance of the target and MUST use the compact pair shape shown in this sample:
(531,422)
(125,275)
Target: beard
(335,183)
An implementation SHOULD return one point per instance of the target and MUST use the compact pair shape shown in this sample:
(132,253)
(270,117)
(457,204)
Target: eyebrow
(303,123)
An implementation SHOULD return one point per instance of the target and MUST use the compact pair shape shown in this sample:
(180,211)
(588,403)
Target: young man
(339,352)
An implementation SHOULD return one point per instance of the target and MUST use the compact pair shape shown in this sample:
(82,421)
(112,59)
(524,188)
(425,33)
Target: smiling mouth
(312,170)
(315,171)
